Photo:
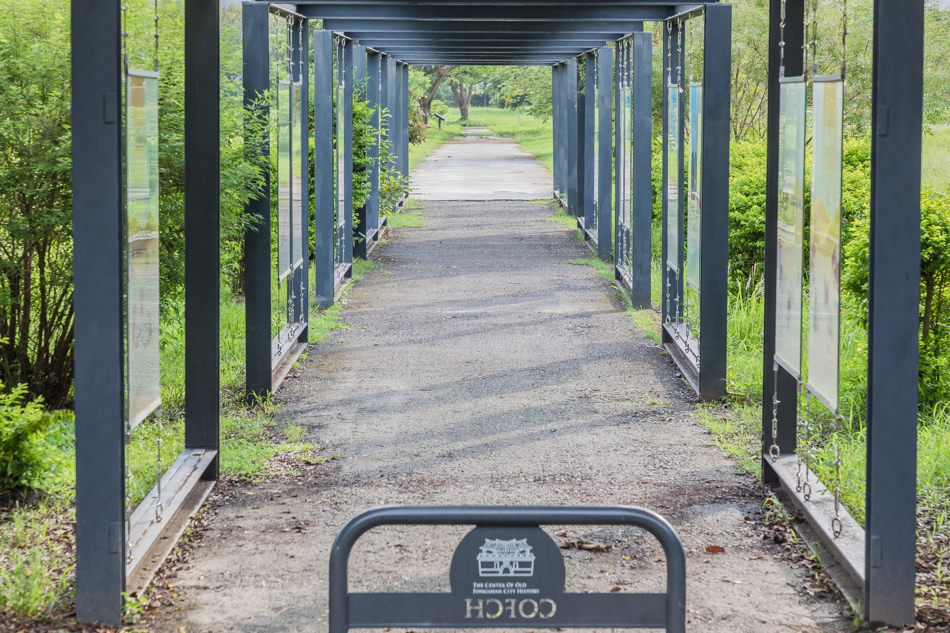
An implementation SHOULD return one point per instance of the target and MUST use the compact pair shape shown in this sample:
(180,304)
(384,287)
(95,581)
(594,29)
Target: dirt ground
(482,367)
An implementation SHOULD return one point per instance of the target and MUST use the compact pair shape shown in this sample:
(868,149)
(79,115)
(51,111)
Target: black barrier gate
(507,572)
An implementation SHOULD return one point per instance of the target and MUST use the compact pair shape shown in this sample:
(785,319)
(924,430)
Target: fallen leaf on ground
(715,549)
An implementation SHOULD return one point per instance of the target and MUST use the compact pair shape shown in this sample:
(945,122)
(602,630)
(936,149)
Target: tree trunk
(462,95)
(425,101)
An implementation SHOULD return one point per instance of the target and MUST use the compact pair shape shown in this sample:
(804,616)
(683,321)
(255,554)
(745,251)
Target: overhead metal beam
(457,61)
(371,38)
(478,13)
(607,29)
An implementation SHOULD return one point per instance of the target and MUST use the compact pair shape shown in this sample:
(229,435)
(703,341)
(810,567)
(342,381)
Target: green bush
(23,424)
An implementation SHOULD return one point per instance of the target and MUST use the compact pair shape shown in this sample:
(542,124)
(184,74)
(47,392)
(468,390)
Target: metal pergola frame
(384,37)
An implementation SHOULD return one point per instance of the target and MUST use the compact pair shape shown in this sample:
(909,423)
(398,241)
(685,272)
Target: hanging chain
(844,41)
(155,61)
(679,55)
(806,485)
(669,52)
(774,449)
(805,41)
(836,521)
(290,48)
(689,49)
(814,38)
(159,506)
(781,42)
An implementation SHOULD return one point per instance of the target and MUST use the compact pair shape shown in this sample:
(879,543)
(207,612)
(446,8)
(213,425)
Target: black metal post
(202,227)
(347,106)
(556,124)
(787,383)
(893,315)
(404,119)
(373,65)
(641,180)
(714,238)
(99,340)
(573,149)
(257,253)
(324,201)
(605,151)
(587,139)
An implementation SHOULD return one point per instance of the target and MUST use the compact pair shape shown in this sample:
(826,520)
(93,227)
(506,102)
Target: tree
(463,83)
(531,86)
(427,87)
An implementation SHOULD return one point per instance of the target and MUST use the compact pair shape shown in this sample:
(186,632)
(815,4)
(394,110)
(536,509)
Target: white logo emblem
(505,558)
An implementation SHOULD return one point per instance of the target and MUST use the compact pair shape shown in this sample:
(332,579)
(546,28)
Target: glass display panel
(672,179)
(825,235)
(142,286)
(591,220)
(298,241)
(694,205)
(283,179)
(626,166)
(791,223)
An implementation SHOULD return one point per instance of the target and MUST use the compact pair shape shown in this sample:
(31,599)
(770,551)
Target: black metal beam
(714,237)
(893,314)
(257,251)
(573,150)
(202,227)
(610,30)
(99,324)
(473,14)
(787,383)
(641,148)
(604,150)
(323,169)
(514,39)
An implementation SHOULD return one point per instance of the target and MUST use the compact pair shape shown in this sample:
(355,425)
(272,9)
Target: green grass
(407,221)
(935,167)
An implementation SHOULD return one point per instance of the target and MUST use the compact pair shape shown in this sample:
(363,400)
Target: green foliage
(36,290)
(23,424)
(438,107)
(417,120)
(746,208)
(364,136)
(528,87)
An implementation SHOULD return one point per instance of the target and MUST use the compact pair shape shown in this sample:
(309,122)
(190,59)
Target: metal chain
(155,61)
(689,49)
(844,41)
(836,521)
(774,449)
(805,41)
(814,38)
(679,55)
(781,42)
(159,506)
(669,52)
(125,37)
(806,486)
(290,48)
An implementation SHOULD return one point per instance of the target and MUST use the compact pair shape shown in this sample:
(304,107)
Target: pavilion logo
(505,558)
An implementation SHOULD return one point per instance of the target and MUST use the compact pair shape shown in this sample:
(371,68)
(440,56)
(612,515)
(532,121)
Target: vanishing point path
(482,366)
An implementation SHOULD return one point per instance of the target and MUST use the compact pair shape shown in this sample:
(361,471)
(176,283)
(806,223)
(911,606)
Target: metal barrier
(507,572)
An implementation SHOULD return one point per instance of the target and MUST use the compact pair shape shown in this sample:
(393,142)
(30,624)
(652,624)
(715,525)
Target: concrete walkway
(483,367)
(480,166)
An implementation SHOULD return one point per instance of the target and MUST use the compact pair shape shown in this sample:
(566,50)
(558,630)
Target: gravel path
(482,367)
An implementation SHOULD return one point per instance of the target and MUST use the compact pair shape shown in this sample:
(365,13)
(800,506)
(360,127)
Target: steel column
(373,65)
(324,198)
(404,118)
(99,324)
(570,108)
(641,180)
(605,151)
(587,138)
(556,124)
(893,314)
(257,252)
(202,227)
(618,157)
(347,185)
(714,237)
(302,74)
(787,384)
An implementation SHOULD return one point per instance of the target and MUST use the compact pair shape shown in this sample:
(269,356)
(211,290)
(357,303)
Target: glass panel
(791,222)
(298,246)
(590,222)
(142,232)
(672,178)
(283,179)
(825,265)
(694,205)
